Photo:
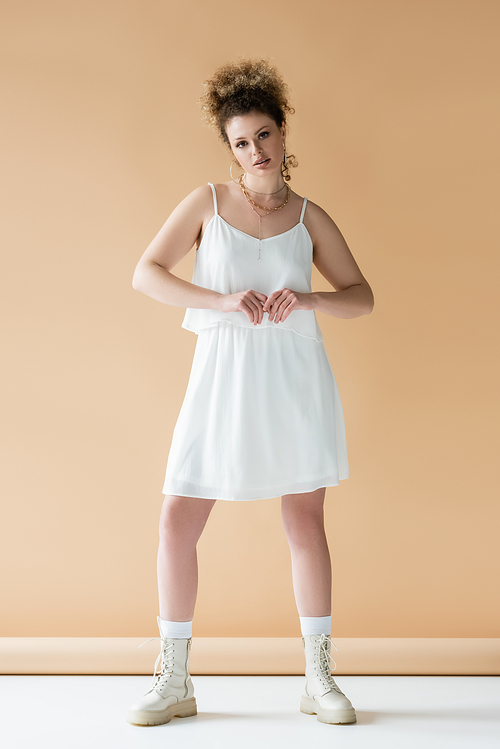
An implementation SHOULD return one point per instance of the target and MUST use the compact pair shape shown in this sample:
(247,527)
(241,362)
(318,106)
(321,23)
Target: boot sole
(334,717)
(183,709)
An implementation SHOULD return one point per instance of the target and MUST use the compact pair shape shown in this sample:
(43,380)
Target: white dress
(262,414)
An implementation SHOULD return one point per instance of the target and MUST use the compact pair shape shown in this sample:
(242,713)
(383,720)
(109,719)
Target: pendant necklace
(267,210)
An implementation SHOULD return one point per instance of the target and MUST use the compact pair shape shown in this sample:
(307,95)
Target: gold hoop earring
(231,169)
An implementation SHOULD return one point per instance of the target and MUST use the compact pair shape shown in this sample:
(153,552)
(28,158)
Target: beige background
(396,133)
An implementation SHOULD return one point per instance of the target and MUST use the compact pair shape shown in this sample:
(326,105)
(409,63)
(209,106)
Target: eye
(265,133)
(241,143)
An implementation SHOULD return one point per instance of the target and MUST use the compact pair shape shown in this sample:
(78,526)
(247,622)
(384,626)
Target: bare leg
(182,522)
(303,521)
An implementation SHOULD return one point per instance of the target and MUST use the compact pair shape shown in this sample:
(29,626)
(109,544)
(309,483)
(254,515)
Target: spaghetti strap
(303,210)
(215,197)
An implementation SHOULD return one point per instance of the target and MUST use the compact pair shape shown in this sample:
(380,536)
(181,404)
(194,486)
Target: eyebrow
(242,137)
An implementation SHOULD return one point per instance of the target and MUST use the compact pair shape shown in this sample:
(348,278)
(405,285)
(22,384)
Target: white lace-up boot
(172,691)
(322,696)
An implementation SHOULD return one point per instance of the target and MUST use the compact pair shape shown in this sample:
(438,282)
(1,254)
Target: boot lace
(166,658)
(324,658)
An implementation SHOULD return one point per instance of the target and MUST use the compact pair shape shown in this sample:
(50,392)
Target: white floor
(89,712)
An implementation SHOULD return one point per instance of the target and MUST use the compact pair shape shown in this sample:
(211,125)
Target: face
(256,138)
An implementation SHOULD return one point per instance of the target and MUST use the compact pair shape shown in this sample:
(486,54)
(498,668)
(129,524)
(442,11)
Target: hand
(280,303)
(250,302)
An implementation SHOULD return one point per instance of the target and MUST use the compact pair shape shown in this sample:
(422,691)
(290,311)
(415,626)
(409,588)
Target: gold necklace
(267,209)
(263,207)
(263,193)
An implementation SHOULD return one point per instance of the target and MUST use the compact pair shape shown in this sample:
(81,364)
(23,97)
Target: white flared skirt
(261,417)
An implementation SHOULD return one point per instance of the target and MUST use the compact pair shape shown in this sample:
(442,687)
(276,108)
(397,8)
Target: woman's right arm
(179,233)
(181,230)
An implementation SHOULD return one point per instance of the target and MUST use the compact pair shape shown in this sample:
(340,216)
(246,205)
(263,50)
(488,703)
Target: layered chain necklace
(267,210)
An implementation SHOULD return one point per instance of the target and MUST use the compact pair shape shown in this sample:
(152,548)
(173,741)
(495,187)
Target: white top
(227,261)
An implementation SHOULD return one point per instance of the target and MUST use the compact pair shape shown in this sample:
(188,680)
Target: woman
(262,415)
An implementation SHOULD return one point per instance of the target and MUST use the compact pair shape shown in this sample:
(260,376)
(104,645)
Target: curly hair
(238,88)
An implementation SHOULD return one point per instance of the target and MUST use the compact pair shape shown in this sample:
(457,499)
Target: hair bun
(237,88)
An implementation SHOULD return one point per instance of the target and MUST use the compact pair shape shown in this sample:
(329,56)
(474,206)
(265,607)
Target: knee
(182,520)
(173,523)
(303,528)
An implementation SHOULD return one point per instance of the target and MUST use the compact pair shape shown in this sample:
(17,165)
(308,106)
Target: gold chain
(267,209)
(263,193)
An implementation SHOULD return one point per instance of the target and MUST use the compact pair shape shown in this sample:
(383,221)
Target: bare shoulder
(199,201)
(195,210)
(318,221)
(182,230)
(331,254)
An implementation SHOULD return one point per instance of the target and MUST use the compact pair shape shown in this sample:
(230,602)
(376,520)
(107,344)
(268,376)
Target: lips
(261,161)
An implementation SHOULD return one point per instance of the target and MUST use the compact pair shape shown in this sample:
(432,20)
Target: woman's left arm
(353,296)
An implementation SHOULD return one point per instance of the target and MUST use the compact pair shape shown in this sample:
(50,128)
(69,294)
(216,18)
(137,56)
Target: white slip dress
(261,415)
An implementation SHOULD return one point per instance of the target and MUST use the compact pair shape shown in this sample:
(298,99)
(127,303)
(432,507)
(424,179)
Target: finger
(261,297)
(271,303)
(272,299)
(256,311)
(284,310)
(273,311)
(260,306)
(275,308)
